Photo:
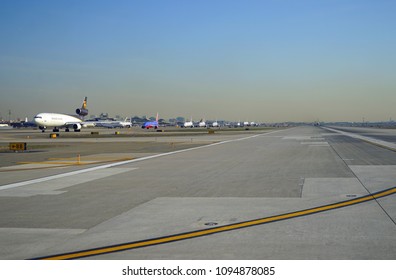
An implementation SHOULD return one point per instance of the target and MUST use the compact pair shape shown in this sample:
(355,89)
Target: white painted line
(52,187)
(44,179)
(41,230)
(314,143)
(365,138)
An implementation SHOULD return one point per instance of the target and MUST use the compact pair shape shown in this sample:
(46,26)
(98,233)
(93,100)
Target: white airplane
(215,124)
(114,123)
(189,124)
(55,120)
(126,123)
(202,123)
(108,124)
(89,123)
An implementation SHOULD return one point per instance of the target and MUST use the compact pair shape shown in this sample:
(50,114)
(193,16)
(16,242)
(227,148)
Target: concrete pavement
(243,178)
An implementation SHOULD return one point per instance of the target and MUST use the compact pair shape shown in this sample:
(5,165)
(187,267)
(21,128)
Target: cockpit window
(38,117)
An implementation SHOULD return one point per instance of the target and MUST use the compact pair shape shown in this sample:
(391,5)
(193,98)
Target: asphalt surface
(192,198)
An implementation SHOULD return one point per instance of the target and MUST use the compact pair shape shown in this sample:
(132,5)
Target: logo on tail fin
(84,105)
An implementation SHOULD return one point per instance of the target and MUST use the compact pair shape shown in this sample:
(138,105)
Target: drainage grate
(211,224)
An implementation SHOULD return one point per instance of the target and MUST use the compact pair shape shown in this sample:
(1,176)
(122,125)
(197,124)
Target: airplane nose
(38,119)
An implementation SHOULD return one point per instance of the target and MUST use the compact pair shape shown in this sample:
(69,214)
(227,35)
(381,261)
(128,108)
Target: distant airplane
(202,123)
(108,123)
(114,123)
(126,123)
(215,124)
(89,123)
(189,124)
(55,120)
(153,124)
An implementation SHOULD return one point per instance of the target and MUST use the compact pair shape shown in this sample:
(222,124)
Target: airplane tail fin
(84,105)
(156,118)
(83,111)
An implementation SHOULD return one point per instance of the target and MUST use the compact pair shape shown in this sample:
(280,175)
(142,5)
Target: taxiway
(298,193)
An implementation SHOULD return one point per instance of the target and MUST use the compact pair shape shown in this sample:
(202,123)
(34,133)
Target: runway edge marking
(379,143)
(204,232)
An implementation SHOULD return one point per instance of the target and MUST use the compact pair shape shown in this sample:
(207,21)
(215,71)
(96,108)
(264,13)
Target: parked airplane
(202,123)
(215,124)
(189,124)
(126,123)
(55,120)
(89,123)
(108,124)
(112,123)
(150,124)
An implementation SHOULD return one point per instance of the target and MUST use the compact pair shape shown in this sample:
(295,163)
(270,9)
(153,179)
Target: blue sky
(269,60)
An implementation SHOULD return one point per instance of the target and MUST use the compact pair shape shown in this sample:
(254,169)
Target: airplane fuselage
(148,125)
(189,124)
(215,124)
(55,120)
(151,124)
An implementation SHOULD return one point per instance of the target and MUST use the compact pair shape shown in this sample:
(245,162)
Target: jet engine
(82,112)
(76,127)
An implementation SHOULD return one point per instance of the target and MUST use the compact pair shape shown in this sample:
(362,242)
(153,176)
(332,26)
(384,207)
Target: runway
(298,193)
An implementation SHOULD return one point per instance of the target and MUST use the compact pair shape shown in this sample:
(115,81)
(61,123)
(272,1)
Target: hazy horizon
(263,61)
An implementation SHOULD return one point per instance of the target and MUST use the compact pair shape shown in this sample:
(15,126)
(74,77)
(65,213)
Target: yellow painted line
(88,158)
(204,232)
(60,162)
(75,162)
(31,168)
(57,164)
